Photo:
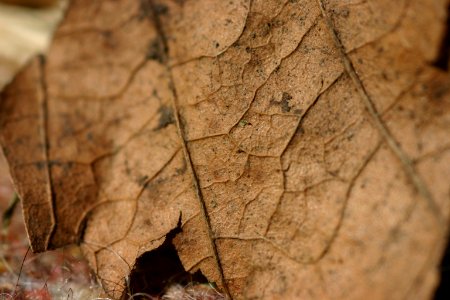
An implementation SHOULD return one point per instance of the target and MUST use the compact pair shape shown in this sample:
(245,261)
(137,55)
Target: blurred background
(26,28)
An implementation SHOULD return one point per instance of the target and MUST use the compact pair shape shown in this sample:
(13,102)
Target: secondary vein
(406,162)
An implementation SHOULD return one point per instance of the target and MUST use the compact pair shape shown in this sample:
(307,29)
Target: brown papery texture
(304,144)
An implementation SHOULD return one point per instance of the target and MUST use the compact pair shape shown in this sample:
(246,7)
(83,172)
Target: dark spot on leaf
(145,10)
(40,165)
(142,180)
(333,173)
(285,102)
(300,131)
(161,9)
(127,168)
(437,89)
(108,39)
(171,86)
(165,117)
(243,123)
(90,136)
(181,170)
(345,12)
(155,50)
(419,146)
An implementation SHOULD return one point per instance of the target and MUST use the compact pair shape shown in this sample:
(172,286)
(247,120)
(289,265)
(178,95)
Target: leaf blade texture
(302,145)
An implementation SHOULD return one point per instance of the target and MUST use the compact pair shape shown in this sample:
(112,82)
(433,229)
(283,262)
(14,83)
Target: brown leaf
(304,144)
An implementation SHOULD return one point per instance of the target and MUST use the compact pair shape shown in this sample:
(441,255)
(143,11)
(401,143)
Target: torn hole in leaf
(443,288)
(443,60)
(160,272)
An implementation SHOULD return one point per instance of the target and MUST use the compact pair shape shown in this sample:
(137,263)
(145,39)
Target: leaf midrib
(186,153)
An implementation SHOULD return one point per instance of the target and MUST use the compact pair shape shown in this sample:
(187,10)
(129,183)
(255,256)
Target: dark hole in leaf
(443,60)
(443,290)
(155,271)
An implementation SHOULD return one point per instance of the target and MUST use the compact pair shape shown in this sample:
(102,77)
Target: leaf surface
(303,145)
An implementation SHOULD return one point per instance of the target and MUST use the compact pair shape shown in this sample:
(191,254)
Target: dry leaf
(303,145)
